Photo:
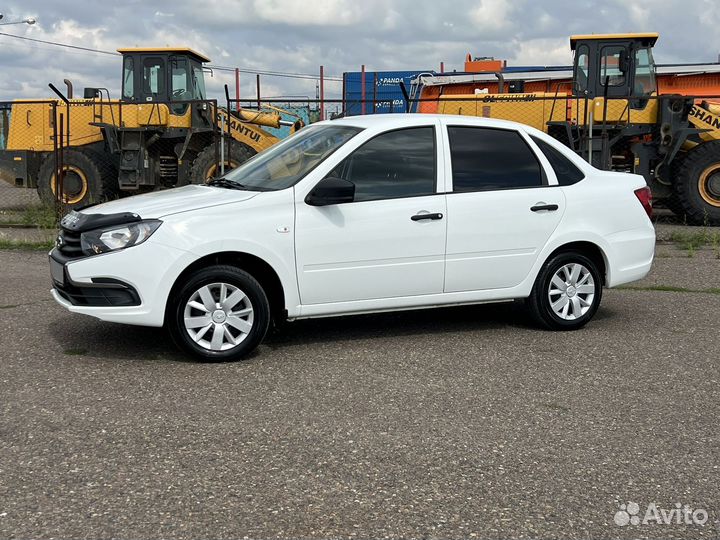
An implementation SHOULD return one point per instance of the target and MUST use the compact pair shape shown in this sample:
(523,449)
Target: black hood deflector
(79,222)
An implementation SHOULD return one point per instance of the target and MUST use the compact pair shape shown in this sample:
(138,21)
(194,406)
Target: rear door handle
(548,207)
(418,217)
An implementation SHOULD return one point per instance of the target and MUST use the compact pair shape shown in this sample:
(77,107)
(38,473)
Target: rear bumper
(632,255)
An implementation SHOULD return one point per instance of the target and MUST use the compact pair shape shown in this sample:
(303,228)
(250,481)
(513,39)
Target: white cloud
(543,52)
(322,12)
(491,15)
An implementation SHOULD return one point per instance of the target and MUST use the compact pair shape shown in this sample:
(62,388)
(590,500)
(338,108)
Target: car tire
(566,293)
(697,184)
(219,314)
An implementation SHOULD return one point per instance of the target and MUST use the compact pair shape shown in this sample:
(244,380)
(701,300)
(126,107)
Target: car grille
(68,243)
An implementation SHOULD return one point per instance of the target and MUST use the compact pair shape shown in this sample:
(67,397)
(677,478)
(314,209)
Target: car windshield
(284,164)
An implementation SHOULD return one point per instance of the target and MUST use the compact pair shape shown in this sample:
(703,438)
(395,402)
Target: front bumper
(129,286)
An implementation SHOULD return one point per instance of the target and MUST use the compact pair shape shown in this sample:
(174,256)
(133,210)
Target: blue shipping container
(382,91)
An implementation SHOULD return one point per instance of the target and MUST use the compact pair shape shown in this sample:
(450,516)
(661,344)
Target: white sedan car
(361,215)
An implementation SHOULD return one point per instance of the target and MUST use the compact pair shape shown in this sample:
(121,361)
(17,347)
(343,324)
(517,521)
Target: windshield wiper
(224,183)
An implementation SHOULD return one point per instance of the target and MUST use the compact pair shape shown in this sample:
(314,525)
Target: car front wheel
(220,314)
(566,293)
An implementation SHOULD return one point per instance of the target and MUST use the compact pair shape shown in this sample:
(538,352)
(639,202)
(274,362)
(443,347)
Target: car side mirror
(331,190)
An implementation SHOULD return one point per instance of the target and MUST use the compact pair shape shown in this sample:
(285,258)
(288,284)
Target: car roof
(381,122)
(396,120)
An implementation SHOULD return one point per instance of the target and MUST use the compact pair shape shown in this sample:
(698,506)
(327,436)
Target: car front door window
(395,164)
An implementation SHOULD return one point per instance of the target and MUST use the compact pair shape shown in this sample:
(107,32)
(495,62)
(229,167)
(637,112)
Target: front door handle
(418,217)
(548,207)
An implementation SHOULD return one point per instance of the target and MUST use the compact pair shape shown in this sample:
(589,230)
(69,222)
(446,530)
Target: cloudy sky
(297,36)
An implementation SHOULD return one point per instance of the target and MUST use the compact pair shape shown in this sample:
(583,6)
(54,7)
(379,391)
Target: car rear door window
(395,164)
(566,171)
(491,159)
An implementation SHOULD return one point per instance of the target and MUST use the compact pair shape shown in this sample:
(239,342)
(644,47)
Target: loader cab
(614,65)
(163,75)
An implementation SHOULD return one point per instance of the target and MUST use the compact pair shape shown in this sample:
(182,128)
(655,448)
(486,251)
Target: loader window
(581,70)
(179,85)
(644,73)
(611,59)
(179,79)
(128,91)
(198,83)
(153,78)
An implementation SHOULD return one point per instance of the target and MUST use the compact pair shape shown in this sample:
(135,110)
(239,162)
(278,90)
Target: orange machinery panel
(481,66)
(701,84)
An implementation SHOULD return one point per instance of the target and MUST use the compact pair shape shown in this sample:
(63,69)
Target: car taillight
(644,195)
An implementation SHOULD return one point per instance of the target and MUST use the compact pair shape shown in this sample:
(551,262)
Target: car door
(390,240)
(502,206)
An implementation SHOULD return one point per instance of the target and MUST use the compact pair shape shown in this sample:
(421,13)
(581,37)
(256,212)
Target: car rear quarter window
(566,171)
(490,159)
(394,164)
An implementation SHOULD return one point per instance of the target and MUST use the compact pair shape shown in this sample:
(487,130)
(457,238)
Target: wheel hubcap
(74,182)
(571,291)
(709,185)
(218,317)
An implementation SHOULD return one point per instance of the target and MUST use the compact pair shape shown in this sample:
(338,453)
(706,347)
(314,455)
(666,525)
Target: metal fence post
(222,145)
(322,93)
(362,92)
(59,187)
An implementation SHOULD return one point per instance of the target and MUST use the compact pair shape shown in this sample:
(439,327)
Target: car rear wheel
(220,314)
(567,292)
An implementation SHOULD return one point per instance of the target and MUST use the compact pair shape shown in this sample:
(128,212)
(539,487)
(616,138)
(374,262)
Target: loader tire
(697,184)
(205,165)
(666,177)
(90,177)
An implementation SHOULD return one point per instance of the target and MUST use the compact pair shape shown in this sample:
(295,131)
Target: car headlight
(117,237)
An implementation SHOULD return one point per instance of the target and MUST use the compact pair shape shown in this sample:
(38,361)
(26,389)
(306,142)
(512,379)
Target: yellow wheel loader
(161,133)
(615,118)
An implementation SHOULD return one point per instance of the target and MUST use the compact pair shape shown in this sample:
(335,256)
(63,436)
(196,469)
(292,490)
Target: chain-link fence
(58,155)
(28,141)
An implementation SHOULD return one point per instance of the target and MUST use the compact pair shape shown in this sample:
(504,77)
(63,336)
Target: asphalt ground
(446,423)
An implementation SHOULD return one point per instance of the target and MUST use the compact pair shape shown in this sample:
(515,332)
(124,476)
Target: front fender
(262,227)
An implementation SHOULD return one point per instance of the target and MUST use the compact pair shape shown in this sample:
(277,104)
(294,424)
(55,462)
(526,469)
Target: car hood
(172,201)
